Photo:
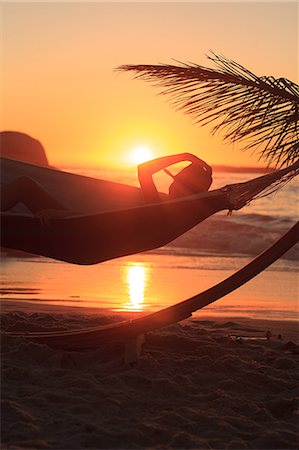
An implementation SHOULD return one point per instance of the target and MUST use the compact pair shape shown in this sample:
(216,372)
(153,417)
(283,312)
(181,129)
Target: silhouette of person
(195,178)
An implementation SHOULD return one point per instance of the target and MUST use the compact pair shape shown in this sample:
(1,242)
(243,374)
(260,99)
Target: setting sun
(141,154)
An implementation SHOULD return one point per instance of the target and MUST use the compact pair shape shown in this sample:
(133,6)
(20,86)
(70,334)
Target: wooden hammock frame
(132,332)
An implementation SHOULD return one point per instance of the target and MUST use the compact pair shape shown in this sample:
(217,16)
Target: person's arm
(147,169)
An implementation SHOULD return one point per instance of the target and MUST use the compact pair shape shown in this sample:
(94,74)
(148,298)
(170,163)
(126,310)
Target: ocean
(192,263)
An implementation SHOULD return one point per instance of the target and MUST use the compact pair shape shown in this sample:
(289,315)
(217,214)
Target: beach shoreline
(148,283)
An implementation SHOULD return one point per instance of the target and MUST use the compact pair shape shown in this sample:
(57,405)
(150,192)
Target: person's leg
(30,193)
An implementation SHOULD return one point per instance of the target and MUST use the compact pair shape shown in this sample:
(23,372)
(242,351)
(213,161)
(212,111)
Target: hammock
(131,332)
(114,221)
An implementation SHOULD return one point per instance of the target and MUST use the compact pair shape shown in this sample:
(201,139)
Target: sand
(200,384)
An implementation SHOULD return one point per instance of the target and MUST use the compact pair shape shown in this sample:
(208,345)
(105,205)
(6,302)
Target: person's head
(192,179)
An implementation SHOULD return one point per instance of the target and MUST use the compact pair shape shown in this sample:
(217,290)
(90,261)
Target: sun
(140,154)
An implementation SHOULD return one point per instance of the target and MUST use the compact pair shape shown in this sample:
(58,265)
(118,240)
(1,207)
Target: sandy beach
(202,384)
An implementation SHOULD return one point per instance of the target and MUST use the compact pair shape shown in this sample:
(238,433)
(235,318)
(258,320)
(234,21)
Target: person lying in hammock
(197,177)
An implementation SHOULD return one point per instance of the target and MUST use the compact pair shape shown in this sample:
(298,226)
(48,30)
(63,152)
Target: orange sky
(58,83)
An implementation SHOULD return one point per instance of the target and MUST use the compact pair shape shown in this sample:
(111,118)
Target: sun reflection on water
(135,276)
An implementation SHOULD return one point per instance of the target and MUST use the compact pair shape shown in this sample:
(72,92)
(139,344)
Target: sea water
(192,263)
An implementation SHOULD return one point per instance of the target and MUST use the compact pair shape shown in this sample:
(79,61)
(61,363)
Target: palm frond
(263,112)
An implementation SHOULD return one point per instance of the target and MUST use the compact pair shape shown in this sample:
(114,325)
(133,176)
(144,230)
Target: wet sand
(204,383)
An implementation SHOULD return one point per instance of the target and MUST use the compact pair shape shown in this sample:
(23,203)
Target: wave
(236,235)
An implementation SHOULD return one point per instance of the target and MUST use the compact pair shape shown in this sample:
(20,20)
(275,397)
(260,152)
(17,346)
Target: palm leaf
(260,111)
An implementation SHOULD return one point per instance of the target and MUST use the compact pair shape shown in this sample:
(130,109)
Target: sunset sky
(59,83)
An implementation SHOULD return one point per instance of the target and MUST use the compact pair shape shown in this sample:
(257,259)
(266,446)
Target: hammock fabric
(113,220)
(129,332)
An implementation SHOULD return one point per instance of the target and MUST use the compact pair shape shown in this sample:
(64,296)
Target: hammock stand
(132,332)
